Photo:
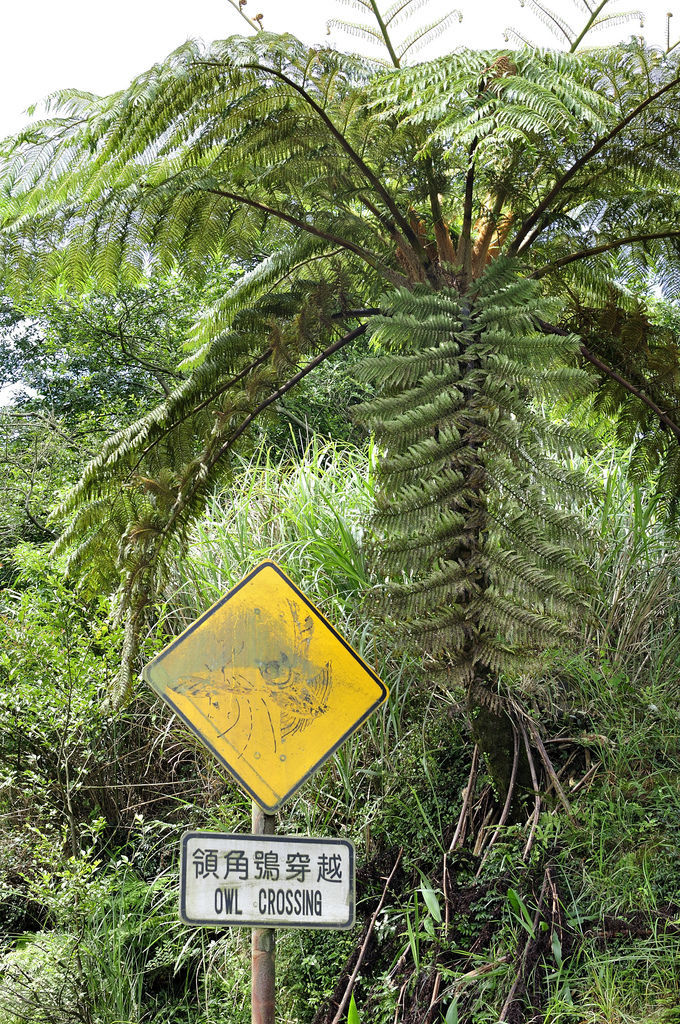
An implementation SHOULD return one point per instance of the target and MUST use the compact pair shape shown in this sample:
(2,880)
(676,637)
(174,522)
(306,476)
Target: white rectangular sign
(266,881)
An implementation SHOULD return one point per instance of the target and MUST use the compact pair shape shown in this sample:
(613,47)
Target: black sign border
(258,923)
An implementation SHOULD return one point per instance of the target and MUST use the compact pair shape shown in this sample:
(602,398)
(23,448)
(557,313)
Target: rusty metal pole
(264,943)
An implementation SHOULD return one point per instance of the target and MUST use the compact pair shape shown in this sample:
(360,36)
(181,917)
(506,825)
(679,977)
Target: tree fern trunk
(476,518)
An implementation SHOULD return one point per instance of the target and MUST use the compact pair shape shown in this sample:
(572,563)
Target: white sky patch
(100,47)
(11,392)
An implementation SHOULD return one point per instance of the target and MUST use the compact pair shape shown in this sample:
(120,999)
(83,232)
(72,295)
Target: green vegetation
(90,859)
(410,330)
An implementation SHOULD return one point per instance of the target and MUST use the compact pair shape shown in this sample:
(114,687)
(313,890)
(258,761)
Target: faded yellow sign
(267,683)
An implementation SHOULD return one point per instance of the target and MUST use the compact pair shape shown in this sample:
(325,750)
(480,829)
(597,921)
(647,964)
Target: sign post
(272,689)
(263,984)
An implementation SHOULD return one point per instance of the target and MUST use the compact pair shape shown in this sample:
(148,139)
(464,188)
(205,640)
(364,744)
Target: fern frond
(424,35)
(330,189)
(467,520)
(552,20)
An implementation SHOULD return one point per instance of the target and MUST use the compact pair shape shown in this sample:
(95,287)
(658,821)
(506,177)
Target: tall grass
(637,565)
(616,694)
(620,693)
(308,515)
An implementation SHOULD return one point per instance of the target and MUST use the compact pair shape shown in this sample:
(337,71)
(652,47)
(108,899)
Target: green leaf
(452,1013)
(353,1014)
(521,912)
(431,901)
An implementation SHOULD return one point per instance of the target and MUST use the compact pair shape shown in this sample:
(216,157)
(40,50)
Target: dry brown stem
(364,946)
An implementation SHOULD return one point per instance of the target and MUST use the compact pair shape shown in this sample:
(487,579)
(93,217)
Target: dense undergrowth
(565,910)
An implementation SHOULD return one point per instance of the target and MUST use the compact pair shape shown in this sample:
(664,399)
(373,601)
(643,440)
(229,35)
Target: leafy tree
(115,354)
(479,218)
(79,367)
(23,454)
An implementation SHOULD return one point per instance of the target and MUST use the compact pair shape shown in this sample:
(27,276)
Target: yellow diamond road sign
(267,683)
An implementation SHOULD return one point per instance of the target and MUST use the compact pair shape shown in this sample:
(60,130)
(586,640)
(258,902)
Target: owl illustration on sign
(265,681)
(260,687)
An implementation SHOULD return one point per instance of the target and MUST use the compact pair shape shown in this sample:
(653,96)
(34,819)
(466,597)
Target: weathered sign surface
(266,881)
(265,681)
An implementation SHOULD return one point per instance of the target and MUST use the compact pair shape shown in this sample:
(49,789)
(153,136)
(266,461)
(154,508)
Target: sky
(99,47)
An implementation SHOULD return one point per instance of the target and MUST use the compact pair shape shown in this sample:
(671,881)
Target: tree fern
(467,487)
(380,28)
(595,16)
(486,218)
